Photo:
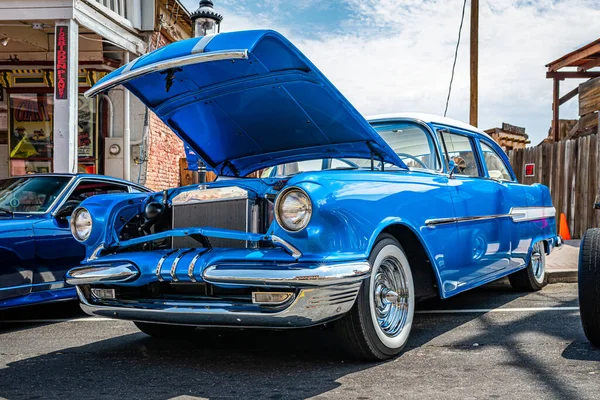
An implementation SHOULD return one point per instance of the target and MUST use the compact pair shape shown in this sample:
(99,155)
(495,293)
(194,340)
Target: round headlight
(293,209)
(81,224)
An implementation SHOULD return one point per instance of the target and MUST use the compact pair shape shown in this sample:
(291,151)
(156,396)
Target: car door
(16,249)
(482,212)
(497,170)
(56,251)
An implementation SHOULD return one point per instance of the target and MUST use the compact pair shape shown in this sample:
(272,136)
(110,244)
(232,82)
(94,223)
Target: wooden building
(582,63)
(509,137)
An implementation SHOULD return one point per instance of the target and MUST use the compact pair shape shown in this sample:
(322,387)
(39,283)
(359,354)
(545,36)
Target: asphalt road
(490,343)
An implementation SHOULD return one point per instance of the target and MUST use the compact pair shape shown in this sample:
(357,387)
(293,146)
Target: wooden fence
(571,169)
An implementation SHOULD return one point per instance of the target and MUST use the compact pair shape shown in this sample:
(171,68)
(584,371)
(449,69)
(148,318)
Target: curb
(562,276)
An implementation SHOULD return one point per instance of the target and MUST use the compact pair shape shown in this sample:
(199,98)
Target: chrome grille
(233,214)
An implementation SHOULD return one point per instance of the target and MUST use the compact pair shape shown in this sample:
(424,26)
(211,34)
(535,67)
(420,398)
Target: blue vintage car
(352,221)
(36,244)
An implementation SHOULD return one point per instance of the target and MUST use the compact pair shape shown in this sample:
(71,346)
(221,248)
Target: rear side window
(86,189)
(459,149)
(495,165)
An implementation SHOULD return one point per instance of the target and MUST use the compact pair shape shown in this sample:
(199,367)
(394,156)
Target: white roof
(431,118)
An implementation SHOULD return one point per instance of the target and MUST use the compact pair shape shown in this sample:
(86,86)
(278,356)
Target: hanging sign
(61,55)
(529,169)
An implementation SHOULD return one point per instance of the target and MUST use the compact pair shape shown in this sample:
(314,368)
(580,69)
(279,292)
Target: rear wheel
(379,324)
(533,277)
(164,331)
(589,285)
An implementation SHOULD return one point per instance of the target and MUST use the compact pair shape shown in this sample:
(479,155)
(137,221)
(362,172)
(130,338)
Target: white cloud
(396,56)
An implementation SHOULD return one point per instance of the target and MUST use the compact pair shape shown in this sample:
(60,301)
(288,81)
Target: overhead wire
(462,19)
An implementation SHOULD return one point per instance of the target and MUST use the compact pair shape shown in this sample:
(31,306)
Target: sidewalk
(561,265)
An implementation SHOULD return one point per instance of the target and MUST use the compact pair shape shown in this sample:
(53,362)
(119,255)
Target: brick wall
(164,148)
(164,151)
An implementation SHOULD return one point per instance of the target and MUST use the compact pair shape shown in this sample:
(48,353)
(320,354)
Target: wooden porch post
(555,106)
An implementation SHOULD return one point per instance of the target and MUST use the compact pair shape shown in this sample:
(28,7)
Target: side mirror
(67,209)
(451,168)
(597,202)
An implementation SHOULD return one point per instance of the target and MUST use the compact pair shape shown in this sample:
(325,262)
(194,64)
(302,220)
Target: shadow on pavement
(51,311)
(582,351)
(273,365)
(541,329)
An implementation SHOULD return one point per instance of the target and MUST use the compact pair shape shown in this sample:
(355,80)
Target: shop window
(30,133)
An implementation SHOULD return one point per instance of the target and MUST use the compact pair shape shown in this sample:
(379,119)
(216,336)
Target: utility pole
(473,109)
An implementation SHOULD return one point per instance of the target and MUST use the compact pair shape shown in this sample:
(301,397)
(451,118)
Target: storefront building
(51,52)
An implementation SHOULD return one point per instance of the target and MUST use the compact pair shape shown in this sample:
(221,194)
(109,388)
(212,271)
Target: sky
(390,56)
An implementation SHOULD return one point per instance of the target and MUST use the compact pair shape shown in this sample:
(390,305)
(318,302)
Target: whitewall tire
(379,324)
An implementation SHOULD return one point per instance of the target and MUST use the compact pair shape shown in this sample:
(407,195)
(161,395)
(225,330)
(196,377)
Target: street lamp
(205,20)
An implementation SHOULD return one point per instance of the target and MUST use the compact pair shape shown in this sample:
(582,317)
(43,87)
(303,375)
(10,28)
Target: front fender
(109,213)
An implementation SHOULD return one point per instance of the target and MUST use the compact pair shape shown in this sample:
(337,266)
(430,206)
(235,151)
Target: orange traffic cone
(563,228)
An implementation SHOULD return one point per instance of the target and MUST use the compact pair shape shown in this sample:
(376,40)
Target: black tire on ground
(164,331)
(589,285)
(534,277)
(360,332)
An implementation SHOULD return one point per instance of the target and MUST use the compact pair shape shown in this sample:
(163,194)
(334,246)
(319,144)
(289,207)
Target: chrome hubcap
(537,263)
(391,297)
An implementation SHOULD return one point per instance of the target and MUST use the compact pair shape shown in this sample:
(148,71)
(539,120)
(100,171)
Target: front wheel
(533,277)
(164,331)
(379,324)
(589,285)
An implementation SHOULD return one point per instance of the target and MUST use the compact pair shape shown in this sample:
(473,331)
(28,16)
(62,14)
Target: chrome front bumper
(323,293)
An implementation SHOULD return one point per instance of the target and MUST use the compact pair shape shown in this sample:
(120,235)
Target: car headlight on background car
(81,224)
(293,209)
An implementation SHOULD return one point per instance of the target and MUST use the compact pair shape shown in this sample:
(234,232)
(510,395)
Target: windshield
(411,142)
(31,194)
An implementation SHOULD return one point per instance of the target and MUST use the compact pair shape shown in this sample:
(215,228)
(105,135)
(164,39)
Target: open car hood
(248,100)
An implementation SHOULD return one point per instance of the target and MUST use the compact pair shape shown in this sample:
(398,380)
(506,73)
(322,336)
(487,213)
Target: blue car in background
(352,221)
(36,244)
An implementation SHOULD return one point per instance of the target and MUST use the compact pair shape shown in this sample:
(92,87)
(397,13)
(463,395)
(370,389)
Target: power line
(462,19)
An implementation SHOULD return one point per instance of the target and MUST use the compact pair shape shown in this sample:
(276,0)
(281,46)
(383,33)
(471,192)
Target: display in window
(31,126)
(86,124)
(31,133)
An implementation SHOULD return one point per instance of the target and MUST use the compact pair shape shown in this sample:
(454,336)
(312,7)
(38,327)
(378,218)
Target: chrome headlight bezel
(280,202)
(85,225)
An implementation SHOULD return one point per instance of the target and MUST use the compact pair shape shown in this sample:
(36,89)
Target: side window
(459,149)
(87,189)
(413,144)
(495,166)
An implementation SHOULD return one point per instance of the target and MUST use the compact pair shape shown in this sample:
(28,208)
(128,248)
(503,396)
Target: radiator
(239,214)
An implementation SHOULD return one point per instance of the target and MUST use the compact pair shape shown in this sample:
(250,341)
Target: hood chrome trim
(195,58)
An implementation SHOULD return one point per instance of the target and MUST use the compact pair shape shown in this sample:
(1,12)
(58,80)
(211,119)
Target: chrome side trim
(161,261)
(287,275)
(291,249)
(518,214)
(176,261)
(102,274)
(441,221)
(166,64)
